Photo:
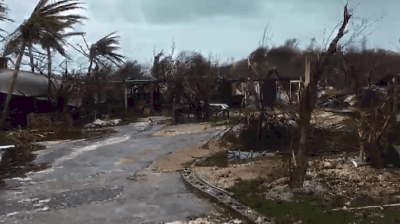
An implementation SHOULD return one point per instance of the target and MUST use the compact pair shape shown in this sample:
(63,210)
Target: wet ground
(105,180)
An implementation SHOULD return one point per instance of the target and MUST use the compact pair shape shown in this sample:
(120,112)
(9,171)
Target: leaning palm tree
(46,19)
(57,42)
(3,14)
(105,47)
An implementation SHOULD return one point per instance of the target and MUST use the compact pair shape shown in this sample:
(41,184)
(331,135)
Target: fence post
(395,94)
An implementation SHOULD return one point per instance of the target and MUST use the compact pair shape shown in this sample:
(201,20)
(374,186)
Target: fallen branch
(366,207)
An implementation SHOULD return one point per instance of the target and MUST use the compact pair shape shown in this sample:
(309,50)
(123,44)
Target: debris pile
(101,123)
(238,155)
(333,98)
(29,135)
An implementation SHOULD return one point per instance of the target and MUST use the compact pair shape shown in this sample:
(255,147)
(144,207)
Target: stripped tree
(308,101)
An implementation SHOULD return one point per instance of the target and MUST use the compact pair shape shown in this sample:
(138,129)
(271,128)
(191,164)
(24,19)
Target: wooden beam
(307,75)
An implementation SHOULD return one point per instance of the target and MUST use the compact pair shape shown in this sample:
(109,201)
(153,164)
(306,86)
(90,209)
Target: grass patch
(219,159)
(219,121)
(169,122)
(306,208)
(309,208)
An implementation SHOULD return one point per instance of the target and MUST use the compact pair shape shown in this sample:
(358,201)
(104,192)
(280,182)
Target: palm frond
(3,13)
(46,26)
(105,47)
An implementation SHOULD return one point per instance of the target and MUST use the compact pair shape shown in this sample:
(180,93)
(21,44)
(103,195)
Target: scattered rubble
(238,155)
(269,169)
(329,177)
(103,123)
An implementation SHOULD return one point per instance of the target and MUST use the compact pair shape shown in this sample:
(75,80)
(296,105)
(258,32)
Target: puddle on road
(81,197)
(61,200)
(78,151)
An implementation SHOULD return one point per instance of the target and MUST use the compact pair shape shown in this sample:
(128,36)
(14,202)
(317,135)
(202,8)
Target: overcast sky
(228,28)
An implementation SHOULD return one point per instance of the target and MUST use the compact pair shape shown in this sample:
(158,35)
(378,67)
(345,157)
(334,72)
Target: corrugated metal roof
(28,83)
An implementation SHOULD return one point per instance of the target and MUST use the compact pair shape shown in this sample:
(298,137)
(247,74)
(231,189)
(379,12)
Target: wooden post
(395,94)
(307,74)
(125,97)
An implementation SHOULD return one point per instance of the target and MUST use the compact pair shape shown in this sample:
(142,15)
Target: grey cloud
(181,11)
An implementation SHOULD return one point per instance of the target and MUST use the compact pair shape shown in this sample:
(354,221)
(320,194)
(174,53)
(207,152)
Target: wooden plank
(7,147)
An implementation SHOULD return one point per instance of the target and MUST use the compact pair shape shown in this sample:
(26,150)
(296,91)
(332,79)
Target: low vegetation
(16,162)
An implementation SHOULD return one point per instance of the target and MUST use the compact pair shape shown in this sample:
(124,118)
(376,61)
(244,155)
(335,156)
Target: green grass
(219,159)
(309,208)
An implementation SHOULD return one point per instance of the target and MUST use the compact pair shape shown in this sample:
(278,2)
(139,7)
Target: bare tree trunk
(12,85)
(31,58)
(307,104)
(90,67)
(66,111)
(49,74)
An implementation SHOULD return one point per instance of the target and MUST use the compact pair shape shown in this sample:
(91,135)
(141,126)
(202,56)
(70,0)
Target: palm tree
(105,47)
(46,19)
(55,41)
(3,14)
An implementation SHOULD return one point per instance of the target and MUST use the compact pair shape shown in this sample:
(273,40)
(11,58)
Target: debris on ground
(29,135)
(335,176)
(239,155)
(326,119)
(103,123)
(269,169)
(344,179)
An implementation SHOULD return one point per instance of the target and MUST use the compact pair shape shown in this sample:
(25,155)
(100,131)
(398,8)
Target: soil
(184,157)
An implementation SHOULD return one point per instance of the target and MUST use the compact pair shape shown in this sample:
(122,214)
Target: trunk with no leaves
(12,85)
(66,110)
(307,104)
(90,67)
(49,73)
(31,58)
